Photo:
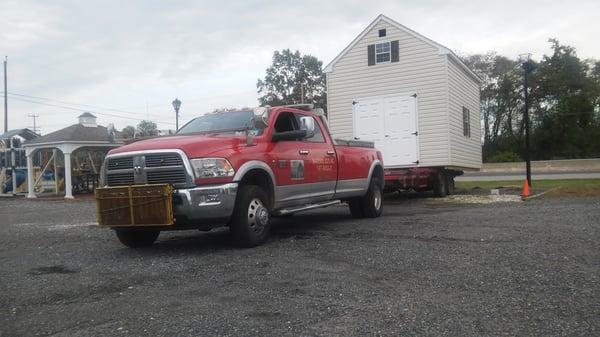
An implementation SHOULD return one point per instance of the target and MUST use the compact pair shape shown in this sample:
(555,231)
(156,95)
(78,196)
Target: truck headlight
(212,168)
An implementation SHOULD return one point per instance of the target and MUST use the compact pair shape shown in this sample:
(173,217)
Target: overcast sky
(127,60)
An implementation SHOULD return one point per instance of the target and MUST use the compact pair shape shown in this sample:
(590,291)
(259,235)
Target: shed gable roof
(442,49)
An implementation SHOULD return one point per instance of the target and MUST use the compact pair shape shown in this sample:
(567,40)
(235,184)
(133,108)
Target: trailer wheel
(136,238)
(440,186)
(450,187)
(250,222)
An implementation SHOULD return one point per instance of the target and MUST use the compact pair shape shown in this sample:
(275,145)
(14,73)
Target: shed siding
(421,69)
(463,91)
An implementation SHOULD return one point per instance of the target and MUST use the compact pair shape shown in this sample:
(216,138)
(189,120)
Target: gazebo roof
(75,133)
(86,114)
(25,133)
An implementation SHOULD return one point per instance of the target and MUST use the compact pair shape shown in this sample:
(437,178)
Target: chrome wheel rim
(377,198)
(258,215)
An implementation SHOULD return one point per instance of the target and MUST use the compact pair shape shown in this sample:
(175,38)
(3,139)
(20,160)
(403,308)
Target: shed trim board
(442,50)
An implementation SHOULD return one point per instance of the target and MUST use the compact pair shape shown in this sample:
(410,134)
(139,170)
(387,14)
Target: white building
(410,95)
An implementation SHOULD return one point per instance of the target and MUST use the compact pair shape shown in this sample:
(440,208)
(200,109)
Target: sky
(126,61)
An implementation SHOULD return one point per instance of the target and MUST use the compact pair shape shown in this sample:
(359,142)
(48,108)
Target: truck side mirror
(308,123)
(260,117)
(288,135)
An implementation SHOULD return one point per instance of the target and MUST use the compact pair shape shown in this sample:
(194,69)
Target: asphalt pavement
(425,268)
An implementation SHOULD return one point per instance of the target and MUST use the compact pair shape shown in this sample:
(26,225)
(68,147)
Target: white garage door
(391,123)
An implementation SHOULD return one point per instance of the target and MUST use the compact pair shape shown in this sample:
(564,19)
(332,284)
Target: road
(498,176)
(427,267)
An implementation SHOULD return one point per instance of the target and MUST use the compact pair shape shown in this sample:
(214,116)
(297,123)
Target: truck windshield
(222,122)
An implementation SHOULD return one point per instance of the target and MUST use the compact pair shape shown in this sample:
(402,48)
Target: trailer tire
(137,238)
(440,186)
(250,223)
(450,187)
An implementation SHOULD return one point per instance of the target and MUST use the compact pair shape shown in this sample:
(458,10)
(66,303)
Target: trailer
(411,96)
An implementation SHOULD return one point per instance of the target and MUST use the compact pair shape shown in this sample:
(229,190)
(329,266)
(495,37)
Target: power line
(77,104)
(86,110)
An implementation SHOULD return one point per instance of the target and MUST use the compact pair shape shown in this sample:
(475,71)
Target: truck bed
(355,143)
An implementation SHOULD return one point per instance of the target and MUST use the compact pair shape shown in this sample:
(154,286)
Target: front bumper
(206,204)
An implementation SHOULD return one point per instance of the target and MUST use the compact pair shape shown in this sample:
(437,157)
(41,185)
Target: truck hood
(194,146)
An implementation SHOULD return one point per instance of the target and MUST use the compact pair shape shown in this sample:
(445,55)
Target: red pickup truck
(240,168)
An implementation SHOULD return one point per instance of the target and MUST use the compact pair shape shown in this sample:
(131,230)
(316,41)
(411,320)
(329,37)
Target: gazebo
(85,134)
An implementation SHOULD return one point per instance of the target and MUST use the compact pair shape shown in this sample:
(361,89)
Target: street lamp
(528,67)
(176,105)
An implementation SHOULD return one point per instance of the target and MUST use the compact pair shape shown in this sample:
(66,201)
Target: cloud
(137,56)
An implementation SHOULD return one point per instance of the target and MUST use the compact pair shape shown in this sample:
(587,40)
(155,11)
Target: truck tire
(137,238)
(355,206)
(440,185)
(250,223)
(370,205)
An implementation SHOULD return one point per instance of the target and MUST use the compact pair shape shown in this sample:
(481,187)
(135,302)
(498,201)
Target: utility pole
(528,67)
(5,98)
(34,116)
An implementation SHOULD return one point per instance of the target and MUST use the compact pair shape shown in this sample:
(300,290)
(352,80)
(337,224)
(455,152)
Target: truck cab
(240,168)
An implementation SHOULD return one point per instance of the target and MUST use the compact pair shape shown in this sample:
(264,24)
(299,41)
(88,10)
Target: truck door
(320,161)
(294,167)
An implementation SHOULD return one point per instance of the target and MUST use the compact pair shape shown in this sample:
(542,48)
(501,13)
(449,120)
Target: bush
(504,157)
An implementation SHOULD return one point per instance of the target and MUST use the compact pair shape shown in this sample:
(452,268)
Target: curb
(537,195)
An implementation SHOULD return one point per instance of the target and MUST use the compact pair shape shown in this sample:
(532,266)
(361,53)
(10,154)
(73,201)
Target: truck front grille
(163,159)
(177,176)
(150,168)
(120,163)
(119,179)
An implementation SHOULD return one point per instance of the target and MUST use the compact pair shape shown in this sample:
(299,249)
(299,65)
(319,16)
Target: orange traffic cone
(525,190)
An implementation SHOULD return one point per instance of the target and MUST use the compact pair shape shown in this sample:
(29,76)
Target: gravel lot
(424,268)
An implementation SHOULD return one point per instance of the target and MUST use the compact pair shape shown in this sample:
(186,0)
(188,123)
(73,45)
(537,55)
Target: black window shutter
(395,51)
(371,53)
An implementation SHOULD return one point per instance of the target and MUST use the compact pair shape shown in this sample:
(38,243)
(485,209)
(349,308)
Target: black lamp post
(528,67)
(176,105)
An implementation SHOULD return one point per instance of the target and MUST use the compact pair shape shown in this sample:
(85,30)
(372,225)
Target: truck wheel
(356,209)
(137,238)
(440,185)
(372,203)
(250,222)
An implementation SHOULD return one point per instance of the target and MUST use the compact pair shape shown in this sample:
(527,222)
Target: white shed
(410,95)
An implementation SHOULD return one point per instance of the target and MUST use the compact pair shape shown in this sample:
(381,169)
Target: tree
(564,105)
(501,101)
(293,78)
(565,97)
(128,132)
(147,128)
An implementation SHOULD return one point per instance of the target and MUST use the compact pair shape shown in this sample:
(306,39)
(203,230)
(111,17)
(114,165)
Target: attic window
(382,32)
(382,52)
